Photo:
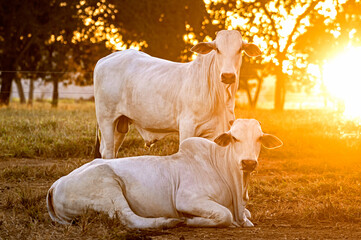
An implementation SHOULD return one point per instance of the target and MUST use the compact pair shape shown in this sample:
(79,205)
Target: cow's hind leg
(100,189)
(97,150)
(130,219)
(121,130)
(106,127)
(205,213)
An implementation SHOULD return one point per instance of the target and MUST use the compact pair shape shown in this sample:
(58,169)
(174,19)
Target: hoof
(247,223)
(235,224)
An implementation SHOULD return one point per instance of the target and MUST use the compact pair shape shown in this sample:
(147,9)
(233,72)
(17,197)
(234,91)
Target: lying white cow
(200,185)
(161,97)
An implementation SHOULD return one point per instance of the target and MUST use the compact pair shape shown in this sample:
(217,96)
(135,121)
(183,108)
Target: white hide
(161,97)
(201,185)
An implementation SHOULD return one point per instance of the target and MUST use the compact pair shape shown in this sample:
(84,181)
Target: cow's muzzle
(249,165)
(228,78)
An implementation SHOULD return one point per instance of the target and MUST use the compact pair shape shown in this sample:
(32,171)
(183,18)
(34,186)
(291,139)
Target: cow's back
(143,88)
(131,68)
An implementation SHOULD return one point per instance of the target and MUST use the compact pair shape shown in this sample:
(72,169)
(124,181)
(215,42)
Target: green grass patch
(69,131)
(43,132)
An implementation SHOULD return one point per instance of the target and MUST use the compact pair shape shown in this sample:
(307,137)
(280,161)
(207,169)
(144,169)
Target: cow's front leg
(186,129)
(206,213)
(246,213)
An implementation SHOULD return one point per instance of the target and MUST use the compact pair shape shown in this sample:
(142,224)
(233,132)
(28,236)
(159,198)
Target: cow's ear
(204,47)
(224,139)
(251,49)
(231,122)
(270,141)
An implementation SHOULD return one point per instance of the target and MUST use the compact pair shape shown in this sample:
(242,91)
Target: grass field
(309,188)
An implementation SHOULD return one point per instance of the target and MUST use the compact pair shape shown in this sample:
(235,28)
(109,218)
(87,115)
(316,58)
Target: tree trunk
(280,91)
(252,100)
(258,90)
(55,100)
(249,96)
(5,92)
(31,92)
(19,85)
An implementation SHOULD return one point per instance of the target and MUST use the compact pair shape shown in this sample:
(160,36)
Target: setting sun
(342,77)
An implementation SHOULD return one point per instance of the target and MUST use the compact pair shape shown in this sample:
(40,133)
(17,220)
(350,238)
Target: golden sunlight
(342,77)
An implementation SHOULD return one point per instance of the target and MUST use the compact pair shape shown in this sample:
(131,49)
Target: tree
(72,35)
(23,24)
(161,25)
(326,36)
(14,42)
(49,27)
(279,23)
(251,70)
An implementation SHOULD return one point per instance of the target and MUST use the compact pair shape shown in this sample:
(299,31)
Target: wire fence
(42,72)
(67,90)
(35,92)
(45,85)
(48,82)
(249,76)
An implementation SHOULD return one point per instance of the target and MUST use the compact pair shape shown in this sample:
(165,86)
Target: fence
(44,90)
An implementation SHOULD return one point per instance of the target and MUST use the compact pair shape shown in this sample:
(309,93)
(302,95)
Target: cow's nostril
(228,78)
(249,165)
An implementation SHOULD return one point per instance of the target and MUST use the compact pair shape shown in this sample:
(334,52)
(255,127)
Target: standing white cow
(161,97)
(203,185)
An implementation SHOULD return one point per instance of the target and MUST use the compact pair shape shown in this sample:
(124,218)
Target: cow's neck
(207,76)
(229,171)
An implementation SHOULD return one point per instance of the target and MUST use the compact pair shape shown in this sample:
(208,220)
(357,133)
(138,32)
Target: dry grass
(315,178)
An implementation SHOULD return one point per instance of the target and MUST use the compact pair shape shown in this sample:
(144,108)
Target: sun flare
(342,77)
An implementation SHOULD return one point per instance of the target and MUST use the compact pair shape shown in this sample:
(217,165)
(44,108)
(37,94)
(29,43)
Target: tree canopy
(70,36)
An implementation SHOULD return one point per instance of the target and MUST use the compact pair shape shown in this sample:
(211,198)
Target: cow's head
(246,138)
(228,46)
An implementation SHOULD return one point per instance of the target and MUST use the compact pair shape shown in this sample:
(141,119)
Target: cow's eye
(218,50)
(235,139)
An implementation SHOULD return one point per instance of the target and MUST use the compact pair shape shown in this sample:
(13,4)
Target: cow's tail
(52,212)
(97,143)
